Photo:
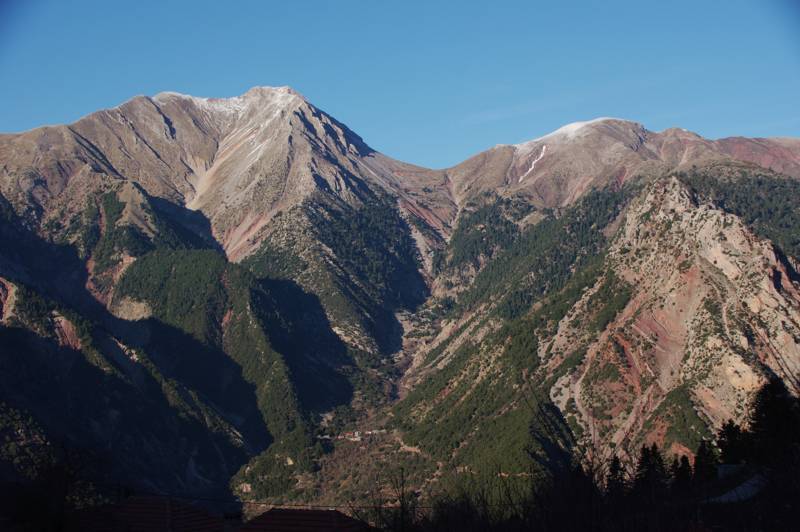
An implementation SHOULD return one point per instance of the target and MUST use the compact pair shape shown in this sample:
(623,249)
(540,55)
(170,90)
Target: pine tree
(658,462)
(775,450)
(615,480)
(705,464)
(642,466)
(651,474)
(681,476)
(774,424)
(731,443)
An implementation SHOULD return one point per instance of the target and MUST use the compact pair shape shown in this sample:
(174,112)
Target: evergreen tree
(681,475)
(775,450)
(615,480)
(774,424)
(731,442)
(651,474)
(642,466)
(705,464)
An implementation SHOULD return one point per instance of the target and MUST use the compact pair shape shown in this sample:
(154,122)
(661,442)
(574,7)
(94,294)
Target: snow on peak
(569,131)
(274,96)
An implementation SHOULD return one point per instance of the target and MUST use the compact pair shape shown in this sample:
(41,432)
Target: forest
(745,478)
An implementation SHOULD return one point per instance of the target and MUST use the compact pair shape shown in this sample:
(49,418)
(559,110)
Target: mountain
(558,168)
(204,294)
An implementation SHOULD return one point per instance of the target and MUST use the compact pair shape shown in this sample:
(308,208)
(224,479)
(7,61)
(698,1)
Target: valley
(239,298)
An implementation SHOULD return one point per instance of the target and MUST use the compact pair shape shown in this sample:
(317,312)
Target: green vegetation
(610,298)
(88,228)
(684,425)
(23,444)
(441,440)
(7,214)
(375,271)
(32,309)
(375,245)
(483,421)
(647,493)
(275,262)
(208,310)
(501,443)
(521,350)
(475,410)
(105,245)
(546,255)
(571,363)
(486,227)
(215,323)
(116,238)
(442,411)
(230,313)
(479,422)
(184,288)
(765,201)
(601,373)
(521,335)
(37,313)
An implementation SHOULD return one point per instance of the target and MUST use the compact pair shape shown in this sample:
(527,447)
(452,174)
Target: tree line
(747,478)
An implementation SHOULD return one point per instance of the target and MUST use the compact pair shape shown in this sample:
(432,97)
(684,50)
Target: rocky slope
(558,168)
(213,285)
(711,310)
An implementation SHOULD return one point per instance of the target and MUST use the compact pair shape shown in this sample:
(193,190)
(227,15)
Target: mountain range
(240,297)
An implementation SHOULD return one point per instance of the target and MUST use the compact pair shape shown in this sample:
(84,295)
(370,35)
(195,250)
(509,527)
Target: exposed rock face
(558,168)
(66,334)
(239,161)
(250,270)
(712,312)
(7,290)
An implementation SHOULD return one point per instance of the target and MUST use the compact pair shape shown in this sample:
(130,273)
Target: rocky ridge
(582,272)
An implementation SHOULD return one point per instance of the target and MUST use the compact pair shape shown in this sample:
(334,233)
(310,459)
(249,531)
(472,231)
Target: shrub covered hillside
(743,478)
(237,299)
(245,356)
(643,314)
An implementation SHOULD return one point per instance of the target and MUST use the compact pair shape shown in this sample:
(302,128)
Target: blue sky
(423,81)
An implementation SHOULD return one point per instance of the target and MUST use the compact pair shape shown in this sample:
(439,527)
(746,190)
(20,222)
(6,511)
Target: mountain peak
(258,96)
(257,91)
(266,90)
(680,133)
(576,129)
